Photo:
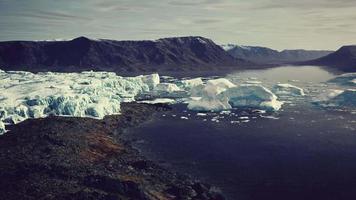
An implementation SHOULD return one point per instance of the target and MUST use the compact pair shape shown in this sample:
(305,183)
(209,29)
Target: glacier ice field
(26,95)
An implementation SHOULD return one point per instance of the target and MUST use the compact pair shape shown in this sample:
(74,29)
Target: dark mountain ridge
(264,55)
(343,59)
(179,53)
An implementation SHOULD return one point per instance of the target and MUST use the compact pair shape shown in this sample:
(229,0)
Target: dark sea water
(300,152)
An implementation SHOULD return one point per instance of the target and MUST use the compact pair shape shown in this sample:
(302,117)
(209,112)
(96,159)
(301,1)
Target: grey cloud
(207,21)
(305,4)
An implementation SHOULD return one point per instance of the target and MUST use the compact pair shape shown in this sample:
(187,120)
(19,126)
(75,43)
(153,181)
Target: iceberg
(168,90)
(288,89)
(2,128)
(251,96)
(221,94)
(208,105)
(211,88)
(348,79)
(151,80)
(167,87)
(159,100)
(208,97)
(190,83)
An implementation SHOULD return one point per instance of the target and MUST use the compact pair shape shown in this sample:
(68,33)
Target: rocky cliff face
(181,53)
(343,59)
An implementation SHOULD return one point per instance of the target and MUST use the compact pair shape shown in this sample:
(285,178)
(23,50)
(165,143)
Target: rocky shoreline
(85,158)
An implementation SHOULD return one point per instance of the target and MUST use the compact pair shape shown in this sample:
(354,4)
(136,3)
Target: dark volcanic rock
(181,53)
(265,55)
(343,59)
(84,158)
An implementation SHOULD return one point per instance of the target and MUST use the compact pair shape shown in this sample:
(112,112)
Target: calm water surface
(300,152)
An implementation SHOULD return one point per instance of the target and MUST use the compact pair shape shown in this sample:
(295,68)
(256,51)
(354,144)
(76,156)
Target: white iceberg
(251,96)
(151,80)
(167,87)
(288,89)
(190,83)
(2,128)
(208,100)
(211,88)
(221,94)
(168,90)
(159,100)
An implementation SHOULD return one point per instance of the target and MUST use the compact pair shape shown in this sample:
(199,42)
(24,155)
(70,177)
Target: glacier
(87,94)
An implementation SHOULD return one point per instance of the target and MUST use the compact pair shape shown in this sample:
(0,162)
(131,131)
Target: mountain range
(264,55)
(343,59)
(167,54)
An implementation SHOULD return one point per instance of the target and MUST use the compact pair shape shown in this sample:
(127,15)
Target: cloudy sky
(280,24)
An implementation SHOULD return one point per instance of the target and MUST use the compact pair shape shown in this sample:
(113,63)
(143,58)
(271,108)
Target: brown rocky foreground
(84,158)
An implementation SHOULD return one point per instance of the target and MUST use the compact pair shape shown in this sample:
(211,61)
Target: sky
(278,24)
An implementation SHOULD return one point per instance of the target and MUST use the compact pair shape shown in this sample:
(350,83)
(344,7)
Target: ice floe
(288,89)
(159,100)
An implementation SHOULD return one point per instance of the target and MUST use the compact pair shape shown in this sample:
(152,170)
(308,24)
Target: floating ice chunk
(345,79)
(197,91)
(208,105)
(169,90)
(222,83)
(159,100)
(201,114)
(209,100)
(2,128)
(288,89)
(151,80)
(189,83)
(225,112)
(251,96)
(167,87)
(211,88)
(221,94)
(182,117)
